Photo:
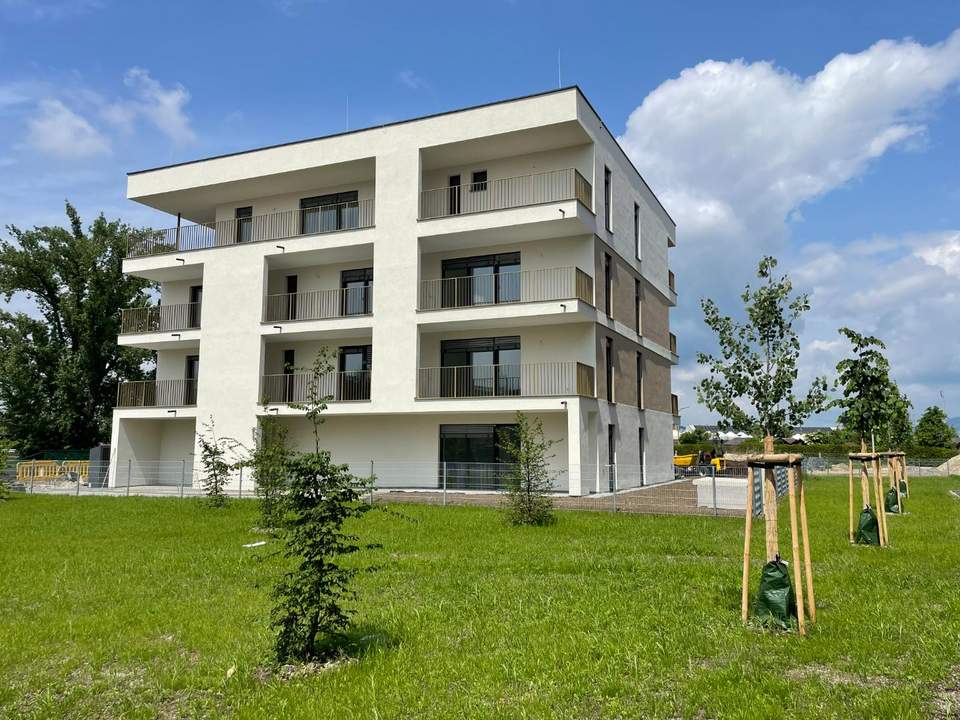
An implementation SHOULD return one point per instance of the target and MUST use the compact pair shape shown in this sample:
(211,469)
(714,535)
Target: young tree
(869,395)
(59,370)
(898,432)
(933,430)
(216,468)
(269,463)
(320,498)
(529,481)
(751,382)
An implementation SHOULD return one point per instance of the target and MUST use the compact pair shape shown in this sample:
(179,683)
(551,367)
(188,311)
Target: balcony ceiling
(323,256)
(493,147)
(198,203)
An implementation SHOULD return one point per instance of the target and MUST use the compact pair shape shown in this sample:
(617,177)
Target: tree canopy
(751,381)
(59,366)
(933,430)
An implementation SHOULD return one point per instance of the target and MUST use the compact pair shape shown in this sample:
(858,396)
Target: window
(643,457)
(357,296)
(612,456)
(291,299)
(609,368)
(480,367)
(607,198)
(639,380)
(244,220)
(196,299)
(289,365)
(481,280)
(478,181)
(636,304)
(636,228)
(353,378)
(607,285)
(191,372)
(471,457)
(326,213)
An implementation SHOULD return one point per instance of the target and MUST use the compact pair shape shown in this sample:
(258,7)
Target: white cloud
(163,107)
(57,130)
(411,80)
(734,150)
(46,10)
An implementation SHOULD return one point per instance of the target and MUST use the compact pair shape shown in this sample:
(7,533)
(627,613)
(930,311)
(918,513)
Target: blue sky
(764,127)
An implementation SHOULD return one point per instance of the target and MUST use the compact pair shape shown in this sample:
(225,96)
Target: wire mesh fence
(715,489)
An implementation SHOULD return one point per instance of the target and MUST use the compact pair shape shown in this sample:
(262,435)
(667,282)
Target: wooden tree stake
(745,593)
(850,494)
(795,550)
(770,513)
(807,562)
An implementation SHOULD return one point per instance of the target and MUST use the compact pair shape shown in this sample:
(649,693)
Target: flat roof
(567,88)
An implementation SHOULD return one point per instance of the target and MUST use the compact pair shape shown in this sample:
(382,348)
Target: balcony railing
(178,392)
(567,283)
(671,280)
(482,381)
(273,226)
(318,305)
(346,386)
(505,193)
(160,318)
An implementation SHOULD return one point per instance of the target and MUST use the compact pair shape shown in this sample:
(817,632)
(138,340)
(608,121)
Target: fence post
(78,484)
(713,484)
(33,474)
(371,482)
(444,483)
(129,471)
(613,470)
(240,486)
(183,475)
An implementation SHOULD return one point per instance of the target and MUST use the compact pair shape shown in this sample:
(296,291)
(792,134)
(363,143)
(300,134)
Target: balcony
(318,305)
(675,408)
(671,281)
(160,318)
(346,386)
(673,348)
(178,392)
(257,228)
(489,381)
(526,286)
(506,193)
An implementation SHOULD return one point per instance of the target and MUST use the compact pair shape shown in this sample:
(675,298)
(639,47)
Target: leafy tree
(59,370)
(269,462)
(751,382)
(529,481)
(321,370)
(933,430)
(694,436)
(869,396)
(898,432)
(214,465)
(321,497)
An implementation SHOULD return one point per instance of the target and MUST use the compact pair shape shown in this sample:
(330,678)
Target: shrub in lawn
(320,497)
(215,469)
(269,464)
(529,481)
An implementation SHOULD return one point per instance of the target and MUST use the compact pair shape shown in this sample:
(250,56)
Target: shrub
(529,482)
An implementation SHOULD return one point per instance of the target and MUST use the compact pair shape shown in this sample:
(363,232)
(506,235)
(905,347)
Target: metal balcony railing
(160,318)
(273,226)
(318,304)
(569,283)
(553,186)
(346,386)
(482,381)
(178,392)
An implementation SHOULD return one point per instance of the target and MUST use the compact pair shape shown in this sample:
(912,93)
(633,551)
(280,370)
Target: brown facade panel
(656,383)
(624,368)
(655,317)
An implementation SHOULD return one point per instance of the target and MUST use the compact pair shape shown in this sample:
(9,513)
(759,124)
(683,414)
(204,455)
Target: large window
(471,456)
(354,377)
(357,288)
(481,280)
(480,367)
(326,213)
(244,220)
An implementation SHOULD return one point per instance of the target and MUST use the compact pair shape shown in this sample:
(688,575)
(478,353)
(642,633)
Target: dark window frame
(608,198)
(243,217)
(608,285)
(361,305)
(636,229)
(608,367)
(478,184)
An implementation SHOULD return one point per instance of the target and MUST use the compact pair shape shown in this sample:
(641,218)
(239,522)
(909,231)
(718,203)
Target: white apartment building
(461,266)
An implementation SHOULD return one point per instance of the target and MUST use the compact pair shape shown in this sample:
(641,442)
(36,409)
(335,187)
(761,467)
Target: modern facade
(461,267)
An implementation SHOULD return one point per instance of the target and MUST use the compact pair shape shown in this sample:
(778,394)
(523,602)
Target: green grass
(138,608)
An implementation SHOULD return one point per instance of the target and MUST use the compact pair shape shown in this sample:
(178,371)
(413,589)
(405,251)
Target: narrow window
(642,456)
(636,304)
(639,380)
(289,364)
(244,221)
(478,181)
(291,298)
(636,227)
(609,368)
(607,285)
(607,204)
(612,455)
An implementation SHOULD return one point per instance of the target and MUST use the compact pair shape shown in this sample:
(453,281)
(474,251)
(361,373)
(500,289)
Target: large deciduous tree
(933,430)
(59,366)
(751,382)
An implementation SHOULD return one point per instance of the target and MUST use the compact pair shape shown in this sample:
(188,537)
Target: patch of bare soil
(831,676)
(286,673)
(946,698)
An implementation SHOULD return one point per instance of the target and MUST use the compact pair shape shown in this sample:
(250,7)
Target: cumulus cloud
(57,130)
(734,149)
(163,107)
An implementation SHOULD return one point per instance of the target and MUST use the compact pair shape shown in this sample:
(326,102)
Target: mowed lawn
(142,608)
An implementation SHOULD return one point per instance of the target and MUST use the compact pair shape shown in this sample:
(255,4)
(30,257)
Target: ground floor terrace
(595,448)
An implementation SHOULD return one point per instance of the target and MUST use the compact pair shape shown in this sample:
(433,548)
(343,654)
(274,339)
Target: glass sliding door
(354,376)
(480,367)
(357,296)
(481,280)
(327,213)
(471,457)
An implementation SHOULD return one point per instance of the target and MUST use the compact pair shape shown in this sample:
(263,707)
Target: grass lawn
(139,608)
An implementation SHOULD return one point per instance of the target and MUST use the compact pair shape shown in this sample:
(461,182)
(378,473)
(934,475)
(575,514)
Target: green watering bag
(891,503)
(868,531)
(776,603)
